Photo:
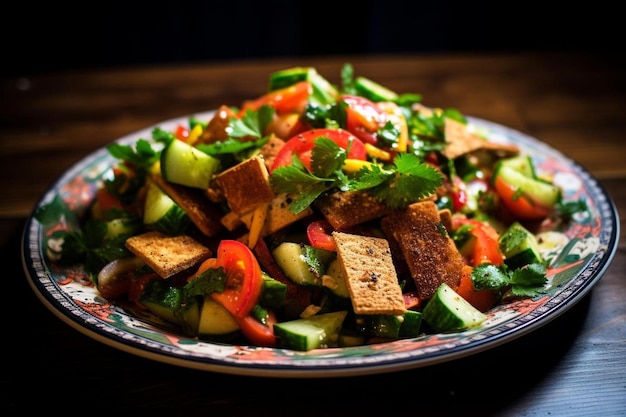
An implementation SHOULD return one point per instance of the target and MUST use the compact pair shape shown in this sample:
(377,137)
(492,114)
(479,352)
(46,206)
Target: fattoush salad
(315,216)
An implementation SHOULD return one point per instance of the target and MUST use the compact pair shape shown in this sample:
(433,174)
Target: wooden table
(575,365)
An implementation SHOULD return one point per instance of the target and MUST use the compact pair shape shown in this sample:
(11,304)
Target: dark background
(53,36)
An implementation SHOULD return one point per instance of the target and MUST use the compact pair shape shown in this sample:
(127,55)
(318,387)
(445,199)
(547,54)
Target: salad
(317,216)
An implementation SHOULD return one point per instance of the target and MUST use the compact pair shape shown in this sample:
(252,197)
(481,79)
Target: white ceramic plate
(588,245)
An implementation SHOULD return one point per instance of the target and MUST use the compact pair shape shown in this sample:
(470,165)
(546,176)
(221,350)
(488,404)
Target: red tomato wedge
(319,234)
(486,248)
(284,100)
(363,118)
(303,143)
(244,281)
(520,205)
(256,332)
(483,300)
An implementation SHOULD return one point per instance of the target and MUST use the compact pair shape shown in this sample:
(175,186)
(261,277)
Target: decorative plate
(580,255)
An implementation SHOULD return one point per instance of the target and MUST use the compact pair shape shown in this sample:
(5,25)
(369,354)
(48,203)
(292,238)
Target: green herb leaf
(209,281)
(253,123)
(413,180)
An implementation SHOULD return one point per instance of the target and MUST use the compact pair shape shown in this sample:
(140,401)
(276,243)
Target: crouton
(427,248)
(202,212)
(215,130)
(271,149)
(370,274)
(278,215)
(346,209)
(462,141)
(246,185)
(167,255)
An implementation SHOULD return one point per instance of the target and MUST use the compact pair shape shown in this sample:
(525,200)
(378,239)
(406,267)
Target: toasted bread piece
(427,248)
(370,274)
(215,130)
(462,141)
(167,255)
(202,212)
(346,209)
(271,149)
(246,185)
(278,215)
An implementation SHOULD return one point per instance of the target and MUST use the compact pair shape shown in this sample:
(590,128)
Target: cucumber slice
(163,300)
(539,191)
(388,325)
(447,311)
(290,76)
(338,278)
(128,226)
(373,91)
(161,213)
(184,164)
(303,264)
(519,246)
(215,320)
(274,292)
(520,163)
(324,92)
(320,331)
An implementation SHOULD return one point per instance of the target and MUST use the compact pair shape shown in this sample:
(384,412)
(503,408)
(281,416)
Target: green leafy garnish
(142,155)
(253,123)
(209,281)
(410,181)
(527,281)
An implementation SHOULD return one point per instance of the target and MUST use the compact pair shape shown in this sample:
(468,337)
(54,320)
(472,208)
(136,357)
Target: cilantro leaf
(412,181)
(296,180)
(209,281)
(326,157)
(523,282)
(142,155)
(529,280)
(253,123)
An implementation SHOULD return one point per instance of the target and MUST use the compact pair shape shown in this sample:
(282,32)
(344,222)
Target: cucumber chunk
(184,164)
(161,213)
(539,191)
(320,331)
(324,92)
(373,91)
(336,280)
(392,326)
(123,226)
(521,163)
(303,264)
(519,246)
(447,311)
(215,320)
(274,292)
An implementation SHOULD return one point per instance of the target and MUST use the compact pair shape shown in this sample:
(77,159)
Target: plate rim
(41,284)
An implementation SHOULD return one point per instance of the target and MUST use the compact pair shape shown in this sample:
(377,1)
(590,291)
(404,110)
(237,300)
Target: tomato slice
(284,100)
(319,234)
(486,248)
(520,205)
(302,145)
(256,332)
(181,133)
(244,281)
(363,118)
